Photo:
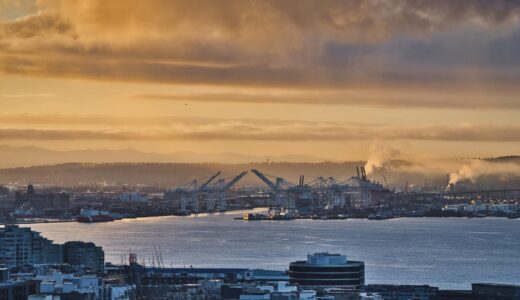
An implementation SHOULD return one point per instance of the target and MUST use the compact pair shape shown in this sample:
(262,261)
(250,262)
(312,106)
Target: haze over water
(449,253)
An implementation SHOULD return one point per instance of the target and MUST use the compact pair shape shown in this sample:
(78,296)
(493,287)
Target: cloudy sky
(319,78)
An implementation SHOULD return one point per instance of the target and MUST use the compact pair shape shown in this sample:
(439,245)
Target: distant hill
(505,159)
(34,156)
(126,167)
(167,174)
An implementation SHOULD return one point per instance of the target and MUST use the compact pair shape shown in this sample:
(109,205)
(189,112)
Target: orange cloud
(256,130)
(253,43)
(389,97)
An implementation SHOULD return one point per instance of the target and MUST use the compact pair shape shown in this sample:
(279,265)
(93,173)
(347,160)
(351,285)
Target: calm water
(450,253)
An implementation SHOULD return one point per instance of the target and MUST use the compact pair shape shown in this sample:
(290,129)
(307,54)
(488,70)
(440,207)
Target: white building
(43,297)
(117,292)
(369,296)
(279,290)
(58,283)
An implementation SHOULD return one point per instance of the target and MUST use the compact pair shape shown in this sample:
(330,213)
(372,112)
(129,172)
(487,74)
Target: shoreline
(256,210)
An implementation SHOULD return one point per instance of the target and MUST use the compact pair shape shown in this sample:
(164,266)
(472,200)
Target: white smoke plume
(380,156)
(476,168)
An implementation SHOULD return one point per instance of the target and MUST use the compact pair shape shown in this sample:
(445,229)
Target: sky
(329,79)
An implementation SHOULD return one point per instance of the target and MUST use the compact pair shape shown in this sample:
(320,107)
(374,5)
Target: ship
(23,213)
(89,215)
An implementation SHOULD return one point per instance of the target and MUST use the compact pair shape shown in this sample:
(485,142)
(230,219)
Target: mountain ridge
(24,156)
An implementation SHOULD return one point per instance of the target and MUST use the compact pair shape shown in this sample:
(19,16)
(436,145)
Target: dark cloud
(38,25)
(295,44)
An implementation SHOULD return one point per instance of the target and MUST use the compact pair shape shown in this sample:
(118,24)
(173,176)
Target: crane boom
(262,177)
(233,181)
(205,184)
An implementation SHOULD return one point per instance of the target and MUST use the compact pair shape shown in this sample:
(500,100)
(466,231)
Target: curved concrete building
(324,269)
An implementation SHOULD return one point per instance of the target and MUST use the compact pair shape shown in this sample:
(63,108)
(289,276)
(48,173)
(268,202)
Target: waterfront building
(325,269)
(490,291)
(227,274)
(362,193)
(85,254)
(132,197)
(263,275)
(43,201)
(402,292)
(21,246)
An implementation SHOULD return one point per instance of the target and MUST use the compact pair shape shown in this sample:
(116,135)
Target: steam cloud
(380,157)
(475,168)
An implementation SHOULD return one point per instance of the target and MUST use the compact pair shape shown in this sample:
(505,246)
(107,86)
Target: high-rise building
(21,246)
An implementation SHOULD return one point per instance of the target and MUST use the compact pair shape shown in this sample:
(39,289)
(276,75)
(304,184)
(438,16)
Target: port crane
(222,187)
(324,192)
(278,187)
(194,189)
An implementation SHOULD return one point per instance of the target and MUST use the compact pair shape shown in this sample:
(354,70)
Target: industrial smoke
(476,168)
(380,157)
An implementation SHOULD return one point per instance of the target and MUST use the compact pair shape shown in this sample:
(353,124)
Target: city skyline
(331,80)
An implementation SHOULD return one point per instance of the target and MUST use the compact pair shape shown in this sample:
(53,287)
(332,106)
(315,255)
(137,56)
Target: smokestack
(357,169)
(363,173)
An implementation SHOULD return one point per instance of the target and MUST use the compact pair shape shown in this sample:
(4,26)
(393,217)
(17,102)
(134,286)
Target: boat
(253,217)
(378,216)
(22,213)
(514,216)
(89,215)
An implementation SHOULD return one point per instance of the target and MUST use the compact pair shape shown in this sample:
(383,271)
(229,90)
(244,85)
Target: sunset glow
(325,79)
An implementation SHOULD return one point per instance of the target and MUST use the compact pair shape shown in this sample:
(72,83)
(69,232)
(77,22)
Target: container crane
(196,190)
(329,192)
(277,187)
(223,187)
(193,189)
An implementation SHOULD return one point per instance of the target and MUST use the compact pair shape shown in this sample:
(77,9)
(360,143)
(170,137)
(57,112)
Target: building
(118,292)
(15,289)
(85,254)
(490,291)
(70,286)
(42,201)
(18,290)
(22,246)
(274,291)
(402,292)
(132,197)
(363,193)
(43,297)
(263,275)
(324,269)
